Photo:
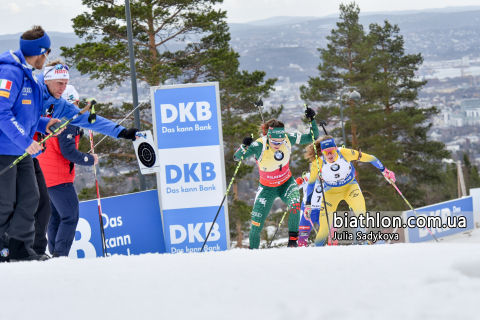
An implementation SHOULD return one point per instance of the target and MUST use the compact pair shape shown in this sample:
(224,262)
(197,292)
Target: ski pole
(313,227)
(323,123)
(128,115)
(319,173)
(351,211)
(224,197)
(14,163)
(279,225)
(395,186)
(259,105)
(100,217)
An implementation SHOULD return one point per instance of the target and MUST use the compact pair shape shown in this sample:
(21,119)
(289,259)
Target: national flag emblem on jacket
(5,84)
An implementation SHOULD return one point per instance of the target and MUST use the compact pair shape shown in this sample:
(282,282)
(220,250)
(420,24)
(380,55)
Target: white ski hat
(70,94)
(59,71)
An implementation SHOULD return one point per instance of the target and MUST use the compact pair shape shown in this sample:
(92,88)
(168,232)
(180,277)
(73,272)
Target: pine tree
(172,39)
(387,122)
(398,134)
(345,62)
(470,173)
(474,178)
(183,40)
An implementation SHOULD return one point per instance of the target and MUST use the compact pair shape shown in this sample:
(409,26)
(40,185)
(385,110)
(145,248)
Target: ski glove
(310,113)
(307,211)
(299,181)
(389,174)
(128,134)
(247,141)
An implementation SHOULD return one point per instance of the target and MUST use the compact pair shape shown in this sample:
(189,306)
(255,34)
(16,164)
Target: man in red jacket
(58,166)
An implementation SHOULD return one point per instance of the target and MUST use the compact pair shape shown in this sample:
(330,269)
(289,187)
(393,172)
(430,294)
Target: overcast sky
(55,15)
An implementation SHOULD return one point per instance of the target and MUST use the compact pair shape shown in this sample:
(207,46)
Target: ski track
(401,281)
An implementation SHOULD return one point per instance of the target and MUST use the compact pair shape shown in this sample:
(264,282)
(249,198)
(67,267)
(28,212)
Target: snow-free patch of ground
(400,281)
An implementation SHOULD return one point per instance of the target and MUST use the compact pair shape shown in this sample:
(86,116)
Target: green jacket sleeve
(305,138)
(254,149)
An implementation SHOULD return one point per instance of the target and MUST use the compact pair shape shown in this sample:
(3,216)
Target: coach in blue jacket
(21,104)
(56,76)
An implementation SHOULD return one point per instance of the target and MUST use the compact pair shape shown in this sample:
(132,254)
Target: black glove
(247,141)
(310,113)
(128,134)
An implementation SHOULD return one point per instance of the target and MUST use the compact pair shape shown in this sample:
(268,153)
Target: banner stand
(191,183)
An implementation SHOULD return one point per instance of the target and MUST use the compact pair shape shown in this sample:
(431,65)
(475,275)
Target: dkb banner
(191,183)
(450,213)
(132,224)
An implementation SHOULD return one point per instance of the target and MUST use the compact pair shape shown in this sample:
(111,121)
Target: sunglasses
(275,143)
(58,67)
(46,54)
(330,151)
(61,66)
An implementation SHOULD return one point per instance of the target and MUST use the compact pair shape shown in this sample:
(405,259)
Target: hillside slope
(402,281)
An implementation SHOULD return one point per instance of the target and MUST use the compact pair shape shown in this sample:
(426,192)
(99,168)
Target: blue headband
(329,143)
(35,47)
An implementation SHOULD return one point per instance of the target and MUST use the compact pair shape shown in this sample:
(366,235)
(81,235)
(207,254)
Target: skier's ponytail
(272,123)
(310,150)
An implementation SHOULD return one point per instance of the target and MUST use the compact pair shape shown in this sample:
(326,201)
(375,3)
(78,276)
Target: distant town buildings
(469,114)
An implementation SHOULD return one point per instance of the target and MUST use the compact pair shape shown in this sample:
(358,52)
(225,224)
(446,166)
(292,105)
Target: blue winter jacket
(63,108)
(21,104)
(68,147)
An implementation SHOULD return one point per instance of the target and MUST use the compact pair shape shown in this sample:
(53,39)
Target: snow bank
(401,281)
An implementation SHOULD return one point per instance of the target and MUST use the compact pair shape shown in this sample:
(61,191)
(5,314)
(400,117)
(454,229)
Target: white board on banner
(191,182)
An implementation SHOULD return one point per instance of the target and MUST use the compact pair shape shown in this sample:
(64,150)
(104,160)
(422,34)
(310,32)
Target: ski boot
(292,239)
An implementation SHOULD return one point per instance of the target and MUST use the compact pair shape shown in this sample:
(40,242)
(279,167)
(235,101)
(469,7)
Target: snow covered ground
(471,236)
(401,281)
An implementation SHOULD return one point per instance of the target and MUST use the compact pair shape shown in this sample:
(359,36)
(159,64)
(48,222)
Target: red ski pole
(102,231)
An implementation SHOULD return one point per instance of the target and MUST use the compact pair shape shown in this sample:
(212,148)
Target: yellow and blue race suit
(340,184)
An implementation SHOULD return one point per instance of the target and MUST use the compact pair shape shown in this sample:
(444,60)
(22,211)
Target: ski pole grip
(93,116)
(389,181)
(54,127)
(323,124)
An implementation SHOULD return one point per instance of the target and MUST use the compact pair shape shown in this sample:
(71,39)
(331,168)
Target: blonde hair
(53,63)
(310,151)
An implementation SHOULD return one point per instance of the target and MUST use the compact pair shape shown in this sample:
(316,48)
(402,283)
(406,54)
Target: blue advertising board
(191,182)
(447,211)
(132,225)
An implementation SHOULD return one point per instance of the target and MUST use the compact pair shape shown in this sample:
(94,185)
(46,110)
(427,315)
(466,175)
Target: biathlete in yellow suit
(272,153)
(339,177)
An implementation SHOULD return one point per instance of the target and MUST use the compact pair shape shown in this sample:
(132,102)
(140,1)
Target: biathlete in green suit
(272,152)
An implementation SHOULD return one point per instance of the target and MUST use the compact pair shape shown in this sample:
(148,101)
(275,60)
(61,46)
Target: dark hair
(310,150)
(33,34)
(272,123)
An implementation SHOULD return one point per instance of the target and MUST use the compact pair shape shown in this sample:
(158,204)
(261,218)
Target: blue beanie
(35,47)
(329,143)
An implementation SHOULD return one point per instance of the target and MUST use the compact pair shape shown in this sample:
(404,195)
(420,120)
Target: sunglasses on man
(47,53)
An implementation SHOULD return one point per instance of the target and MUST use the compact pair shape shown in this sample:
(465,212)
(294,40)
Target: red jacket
(60,156)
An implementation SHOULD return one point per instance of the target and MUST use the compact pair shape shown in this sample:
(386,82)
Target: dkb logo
(170,113)
(174,173)
(178,233)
